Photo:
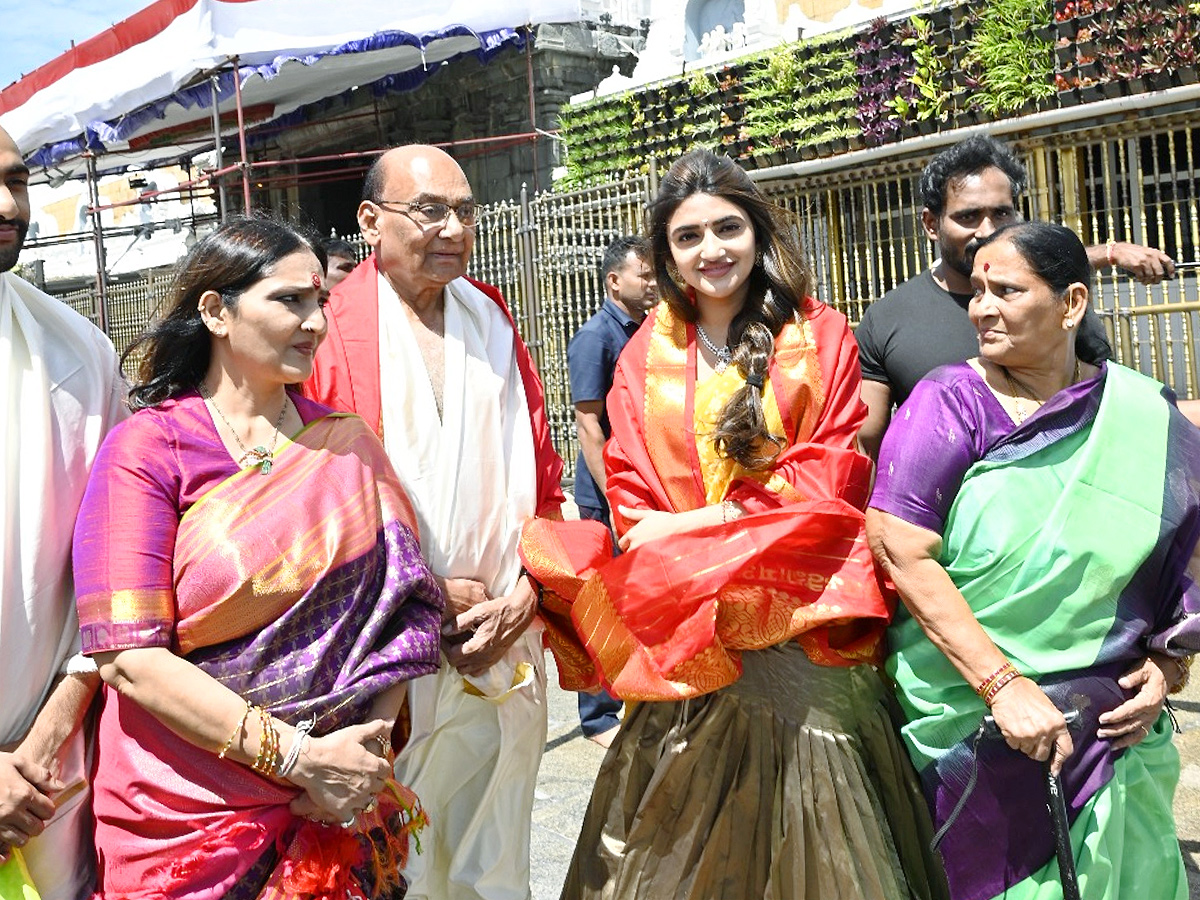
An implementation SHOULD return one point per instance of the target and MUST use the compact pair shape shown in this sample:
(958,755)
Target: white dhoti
(475,748)
(60,393)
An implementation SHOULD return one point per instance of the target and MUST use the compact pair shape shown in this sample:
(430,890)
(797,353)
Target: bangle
(989,683)
(1010,675)
(299,739)
(268,744)
(237,731)
(1108,253)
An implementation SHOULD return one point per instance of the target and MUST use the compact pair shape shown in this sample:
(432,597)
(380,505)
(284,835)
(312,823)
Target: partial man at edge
(629,293)
(433,361)
(61,387)
(340,261)
(968,191)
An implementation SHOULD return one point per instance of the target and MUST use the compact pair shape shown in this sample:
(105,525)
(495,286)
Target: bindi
(316,281)
(986,266)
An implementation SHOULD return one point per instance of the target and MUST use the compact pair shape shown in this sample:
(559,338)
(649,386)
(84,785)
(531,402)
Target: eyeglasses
(432,215)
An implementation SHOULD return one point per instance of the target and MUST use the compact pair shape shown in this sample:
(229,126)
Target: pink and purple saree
(303,591)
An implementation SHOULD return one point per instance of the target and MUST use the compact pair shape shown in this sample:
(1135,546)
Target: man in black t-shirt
(968,191)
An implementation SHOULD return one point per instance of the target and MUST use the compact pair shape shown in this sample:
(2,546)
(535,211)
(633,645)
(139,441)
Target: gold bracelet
(237,731)
(268,744)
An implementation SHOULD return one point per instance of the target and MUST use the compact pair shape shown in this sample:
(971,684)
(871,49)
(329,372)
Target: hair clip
(755,381)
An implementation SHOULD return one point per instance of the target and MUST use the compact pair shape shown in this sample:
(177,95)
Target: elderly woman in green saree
(1039,518)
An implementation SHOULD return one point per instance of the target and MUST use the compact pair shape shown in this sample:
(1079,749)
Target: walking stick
(1062,833)
(1057,806)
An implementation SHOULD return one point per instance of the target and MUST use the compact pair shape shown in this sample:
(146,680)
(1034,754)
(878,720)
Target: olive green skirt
(790,784)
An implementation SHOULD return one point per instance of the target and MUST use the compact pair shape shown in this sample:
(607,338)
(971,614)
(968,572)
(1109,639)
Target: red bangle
(989,687)
(1010,675)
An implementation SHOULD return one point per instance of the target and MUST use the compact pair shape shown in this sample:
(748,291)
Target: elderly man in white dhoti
(432,360)
(60,392)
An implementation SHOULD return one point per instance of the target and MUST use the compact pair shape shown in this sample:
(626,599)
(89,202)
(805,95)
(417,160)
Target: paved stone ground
(570,764)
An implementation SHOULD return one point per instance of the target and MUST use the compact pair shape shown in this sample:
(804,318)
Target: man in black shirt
(968,191)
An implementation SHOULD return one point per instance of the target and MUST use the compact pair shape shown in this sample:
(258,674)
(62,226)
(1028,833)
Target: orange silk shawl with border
(669,620)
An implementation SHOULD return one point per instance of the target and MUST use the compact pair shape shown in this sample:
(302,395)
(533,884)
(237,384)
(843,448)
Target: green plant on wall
(930,79)
(797,88)
(701,84)
(1012,52)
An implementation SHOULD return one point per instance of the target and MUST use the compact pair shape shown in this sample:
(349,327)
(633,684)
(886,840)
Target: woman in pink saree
(255,613)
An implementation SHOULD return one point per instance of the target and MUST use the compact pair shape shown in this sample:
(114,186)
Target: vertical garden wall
(938,68)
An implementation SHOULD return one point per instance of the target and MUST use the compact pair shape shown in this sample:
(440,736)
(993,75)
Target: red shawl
(670,619)
(346,373)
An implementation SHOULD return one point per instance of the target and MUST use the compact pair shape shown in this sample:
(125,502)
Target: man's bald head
(418,161)
(14,201)
(415,201)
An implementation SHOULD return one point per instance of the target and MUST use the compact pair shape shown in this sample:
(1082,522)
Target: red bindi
(986,266)
(316,281)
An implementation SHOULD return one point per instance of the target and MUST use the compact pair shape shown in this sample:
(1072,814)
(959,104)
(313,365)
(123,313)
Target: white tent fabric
(134,95)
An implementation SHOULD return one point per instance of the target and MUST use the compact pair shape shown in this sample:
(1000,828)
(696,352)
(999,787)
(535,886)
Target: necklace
(723,354)
(1018,400)
(260,456)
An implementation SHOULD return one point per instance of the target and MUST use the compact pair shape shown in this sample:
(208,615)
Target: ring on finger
(370,807)
(350,822)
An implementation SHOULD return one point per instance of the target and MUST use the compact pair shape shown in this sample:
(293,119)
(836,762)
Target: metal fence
(1137,181)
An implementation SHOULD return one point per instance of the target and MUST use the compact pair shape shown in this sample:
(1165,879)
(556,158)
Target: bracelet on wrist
(990,686)
(265,762)
(228,745)
(1002,681)
(299,740)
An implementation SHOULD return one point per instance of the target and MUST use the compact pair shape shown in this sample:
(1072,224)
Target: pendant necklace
(723,354)
(1019,401)
(260,456)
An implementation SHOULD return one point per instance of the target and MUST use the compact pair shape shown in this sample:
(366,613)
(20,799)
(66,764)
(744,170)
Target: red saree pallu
(669,620)
(302,591)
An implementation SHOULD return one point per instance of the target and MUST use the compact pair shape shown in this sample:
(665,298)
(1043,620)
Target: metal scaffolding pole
(223,200)
(241,120)
(93,188)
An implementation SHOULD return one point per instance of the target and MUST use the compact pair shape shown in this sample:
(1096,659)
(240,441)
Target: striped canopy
(141,92)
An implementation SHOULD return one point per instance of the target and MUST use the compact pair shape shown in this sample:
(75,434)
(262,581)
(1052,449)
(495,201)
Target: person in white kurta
(455,417)
(60,392)
(476,741)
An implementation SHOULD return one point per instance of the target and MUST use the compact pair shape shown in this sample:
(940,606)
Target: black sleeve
(870,349)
